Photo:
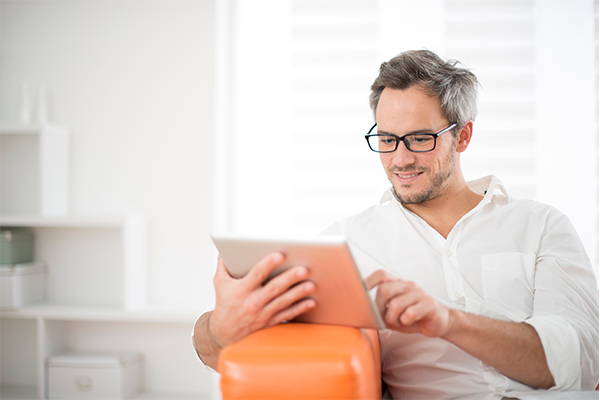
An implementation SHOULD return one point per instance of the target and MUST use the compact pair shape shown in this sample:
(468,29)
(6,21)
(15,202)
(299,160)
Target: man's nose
(402,156)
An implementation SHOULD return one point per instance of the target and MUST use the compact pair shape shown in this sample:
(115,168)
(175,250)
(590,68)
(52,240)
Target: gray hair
(455,86)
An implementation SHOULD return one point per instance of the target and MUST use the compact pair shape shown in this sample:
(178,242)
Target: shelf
(101,314)
(12,392)
(169,396)
(27,129)
(32,220)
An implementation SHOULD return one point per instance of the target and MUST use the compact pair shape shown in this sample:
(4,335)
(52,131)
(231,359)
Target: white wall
(566,114)
(133,80)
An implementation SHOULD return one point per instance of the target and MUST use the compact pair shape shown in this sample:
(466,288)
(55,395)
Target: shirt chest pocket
(507,283)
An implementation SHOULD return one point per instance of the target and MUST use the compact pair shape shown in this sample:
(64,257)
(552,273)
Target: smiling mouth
(408,176)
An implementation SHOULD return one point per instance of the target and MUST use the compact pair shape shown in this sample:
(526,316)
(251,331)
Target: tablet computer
(341,295)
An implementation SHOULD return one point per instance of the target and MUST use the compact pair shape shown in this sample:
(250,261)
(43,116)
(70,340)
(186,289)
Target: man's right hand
(246,305)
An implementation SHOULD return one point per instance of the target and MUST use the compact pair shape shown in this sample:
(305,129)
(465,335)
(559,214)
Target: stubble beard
(439,182)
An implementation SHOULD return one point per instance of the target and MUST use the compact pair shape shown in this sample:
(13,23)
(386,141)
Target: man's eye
(421,139)
(387,140)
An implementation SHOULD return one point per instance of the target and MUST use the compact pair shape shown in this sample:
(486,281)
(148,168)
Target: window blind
(334,61)
(495,39)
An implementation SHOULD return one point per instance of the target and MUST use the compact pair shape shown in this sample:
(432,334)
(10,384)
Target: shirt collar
(387,197)
(488,187)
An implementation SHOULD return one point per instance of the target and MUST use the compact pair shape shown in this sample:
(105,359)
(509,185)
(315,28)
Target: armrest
(303,361)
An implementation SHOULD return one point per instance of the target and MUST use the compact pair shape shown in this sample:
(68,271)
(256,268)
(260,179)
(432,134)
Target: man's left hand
(406,307)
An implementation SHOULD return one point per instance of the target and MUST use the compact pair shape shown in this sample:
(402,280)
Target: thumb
(222,273)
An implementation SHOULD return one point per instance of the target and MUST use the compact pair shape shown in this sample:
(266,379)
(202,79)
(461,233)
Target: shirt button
(448,253)
(456,295)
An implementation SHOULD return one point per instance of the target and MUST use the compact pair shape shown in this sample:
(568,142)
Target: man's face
(416,177)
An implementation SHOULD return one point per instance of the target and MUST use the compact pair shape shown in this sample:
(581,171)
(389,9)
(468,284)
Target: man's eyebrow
(414,132)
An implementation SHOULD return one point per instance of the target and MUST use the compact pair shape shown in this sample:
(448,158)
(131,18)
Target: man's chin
(406,197)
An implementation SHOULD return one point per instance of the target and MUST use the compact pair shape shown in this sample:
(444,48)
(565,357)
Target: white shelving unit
(97,287)
(97,301)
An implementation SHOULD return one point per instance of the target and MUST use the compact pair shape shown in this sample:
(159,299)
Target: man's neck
(443,212)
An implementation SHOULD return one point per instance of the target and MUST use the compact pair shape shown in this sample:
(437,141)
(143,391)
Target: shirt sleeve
(334,229)
(196,349)
(565,310)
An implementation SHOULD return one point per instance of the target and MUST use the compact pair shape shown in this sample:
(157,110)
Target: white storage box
(93,376)
(21,284)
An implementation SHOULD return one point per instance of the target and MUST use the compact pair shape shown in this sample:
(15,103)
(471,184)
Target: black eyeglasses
(415,142)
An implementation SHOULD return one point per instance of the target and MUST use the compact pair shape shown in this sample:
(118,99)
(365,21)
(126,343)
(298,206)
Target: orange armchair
(303,361)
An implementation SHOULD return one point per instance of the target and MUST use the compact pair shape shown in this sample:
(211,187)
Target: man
(481,293)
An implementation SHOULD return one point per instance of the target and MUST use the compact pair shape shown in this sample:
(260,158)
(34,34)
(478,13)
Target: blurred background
(188,117)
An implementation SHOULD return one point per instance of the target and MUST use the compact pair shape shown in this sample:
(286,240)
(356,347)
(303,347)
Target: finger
(290,297)
(282,283)
(293,311)
(387,291)
(375,279)
(378,277)
(263,268)
(417,318)
(429,313)
(399,306)
(414,313)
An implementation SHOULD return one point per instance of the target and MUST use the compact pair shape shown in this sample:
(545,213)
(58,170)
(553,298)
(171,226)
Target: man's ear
(464,137)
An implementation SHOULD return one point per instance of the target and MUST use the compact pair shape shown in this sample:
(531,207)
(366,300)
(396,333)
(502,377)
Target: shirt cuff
(561,346)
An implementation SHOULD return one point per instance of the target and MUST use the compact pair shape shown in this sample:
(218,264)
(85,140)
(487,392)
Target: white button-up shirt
(512,260)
